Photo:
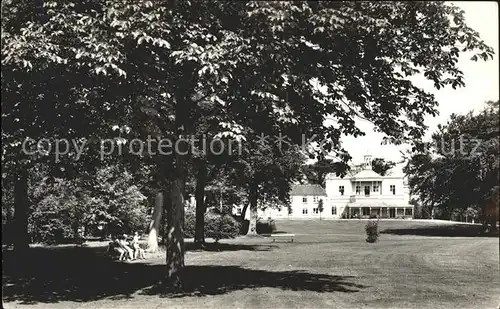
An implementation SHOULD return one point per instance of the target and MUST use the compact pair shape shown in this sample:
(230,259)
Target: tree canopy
(458,170)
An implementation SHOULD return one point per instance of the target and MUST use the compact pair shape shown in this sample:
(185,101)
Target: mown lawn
(328,266)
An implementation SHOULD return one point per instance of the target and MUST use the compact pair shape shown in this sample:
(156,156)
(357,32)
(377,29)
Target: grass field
(329,265)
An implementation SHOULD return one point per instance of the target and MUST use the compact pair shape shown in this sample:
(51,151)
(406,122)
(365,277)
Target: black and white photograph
(200,154)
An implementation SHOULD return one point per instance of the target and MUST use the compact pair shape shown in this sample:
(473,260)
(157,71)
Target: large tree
(458,171)
(266,171)
(271,67)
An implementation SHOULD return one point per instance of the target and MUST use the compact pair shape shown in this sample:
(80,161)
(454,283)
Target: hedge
(217,226)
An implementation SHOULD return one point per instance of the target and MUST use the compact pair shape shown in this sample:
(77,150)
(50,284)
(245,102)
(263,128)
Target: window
(358,189)
(366,211)
(341,190)
(315,211)
(238,211)
(367,190)
(304,211)
(304,200)
(334,210)
(375,188)
(315,199)
(393,189)
(408,211)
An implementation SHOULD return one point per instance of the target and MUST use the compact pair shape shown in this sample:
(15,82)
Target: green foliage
(372,232)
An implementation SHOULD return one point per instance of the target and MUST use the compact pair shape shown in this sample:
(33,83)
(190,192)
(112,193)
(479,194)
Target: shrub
(266,227)
(263,227)
(217,226)
(371,229)
(50,231)
(189,224)
(221,226)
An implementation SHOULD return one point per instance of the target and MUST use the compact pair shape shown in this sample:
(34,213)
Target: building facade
(304,203)
(367,193)
(358,195)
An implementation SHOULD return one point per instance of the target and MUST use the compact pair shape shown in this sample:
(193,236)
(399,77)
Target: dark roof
(303,190)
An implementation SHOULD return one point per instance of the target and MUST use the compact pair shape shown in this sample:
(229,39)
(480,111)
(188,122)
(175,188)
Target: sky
(481,80)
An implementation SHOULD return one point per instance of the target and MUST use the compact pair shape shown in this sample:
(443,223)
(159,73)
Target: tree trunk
(175,237)
(154,225)
(21,207)
(199,234)
(244,211)
(253,196)
(175,213)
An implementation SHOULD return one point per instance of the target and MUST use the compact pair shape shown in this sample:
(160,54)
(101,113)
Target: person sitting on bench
(138,251)
(114,247)
(125,246)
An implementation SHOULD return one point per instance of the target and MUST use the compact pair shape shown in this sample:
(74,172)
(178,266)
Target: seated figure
(138,251)
(115,248)
(129,253)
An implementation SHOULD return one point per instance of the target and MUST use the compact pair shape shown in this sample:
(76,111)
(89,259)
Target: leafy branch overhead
(291,63)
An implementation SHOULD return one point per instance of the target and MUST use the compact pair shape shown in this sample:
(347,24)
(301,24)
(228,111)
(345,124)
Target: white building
(304,204)
(356,195)
(368,193)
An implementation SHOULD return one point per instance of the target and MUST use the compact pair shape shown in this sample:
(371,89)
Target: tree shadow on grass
(228,247)
(456,230)
(51,275)
(215,280)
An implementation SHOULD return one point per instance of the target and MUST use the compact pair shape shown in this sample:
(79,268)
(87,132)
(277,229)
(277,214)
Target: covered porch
(365,211)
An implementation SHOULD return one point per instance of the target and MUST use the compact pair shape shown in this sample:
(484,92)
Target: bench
(276,236)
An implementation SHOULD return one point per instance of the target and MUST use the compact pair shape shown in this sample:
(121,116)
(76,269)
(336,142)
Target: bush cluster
(372,233)
(266,227)
(263,226)
(217,226)
(50,231)
(221,227)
